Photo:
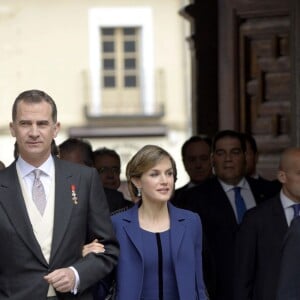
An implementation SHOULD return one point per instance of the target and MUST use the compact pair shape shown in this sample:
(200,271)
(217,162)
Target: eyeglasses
(105,170)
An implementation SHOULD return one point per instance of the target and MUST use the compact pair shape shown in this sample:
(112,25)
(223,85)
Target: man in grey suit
(41,251)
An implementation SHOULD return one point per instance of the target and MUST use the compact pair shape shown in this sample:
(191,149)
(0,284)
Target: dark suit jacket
(175,200)
(258,250)
(22,264)
(219,226)
(186,245)
(289,276)
(116,200)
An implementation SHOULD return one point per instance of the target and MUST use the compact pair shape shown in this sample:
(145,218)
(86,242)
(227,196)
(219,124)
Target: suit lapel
(63,203)
(131,226)
(220,205)
(257,190)
(177,231)
(13,204)
(279,218)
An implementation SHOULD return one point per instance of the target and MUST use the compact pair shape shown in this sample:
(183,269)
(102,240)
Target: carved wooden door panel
(255,91)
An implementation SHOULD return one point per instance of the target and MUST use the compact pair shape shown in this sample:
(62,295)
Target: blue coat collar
(177,228)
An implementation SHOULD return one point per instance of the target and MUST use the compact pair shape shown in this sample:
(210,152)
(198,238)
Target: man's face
(109,170)
(34,131)
(197,161)
(229,160)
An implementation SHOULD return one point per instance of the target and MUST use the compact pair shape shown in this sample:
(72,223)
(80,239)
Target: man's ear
(281,176)
(56,129)
(12,129)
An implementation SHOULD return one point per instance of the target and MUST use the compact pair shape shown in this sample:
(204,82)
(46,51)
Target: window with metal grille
(120,67)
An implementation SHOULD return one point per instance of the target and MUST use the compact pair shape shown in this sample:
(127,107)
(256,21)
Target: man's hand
(63,280)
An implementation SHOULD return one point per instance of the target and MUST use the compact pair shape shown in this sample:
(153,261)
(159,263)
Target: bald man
(261,235)
(289,276)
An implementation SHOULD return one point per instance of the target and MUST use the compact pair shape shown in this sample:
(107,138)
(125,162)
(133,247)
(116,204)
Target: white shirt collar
(243,184)
(26,168)
(285,201)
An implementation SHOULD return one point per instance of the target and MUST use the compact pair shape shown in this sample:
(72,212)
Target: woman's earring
(139,193)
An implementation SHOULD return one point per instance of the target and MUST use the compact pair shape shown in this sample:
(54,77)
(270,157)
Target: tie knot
(296,208)
(237,189)
(37,173)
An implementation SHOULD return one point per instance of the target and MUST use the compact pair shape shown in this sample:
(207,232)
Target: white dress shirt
(245,192)
(287,207)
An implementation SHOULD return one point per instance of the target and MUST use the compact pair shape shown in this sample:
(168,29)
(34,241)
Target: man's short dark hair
(106,151)
(34,96)
(231,134)
(85,147)
(195,139)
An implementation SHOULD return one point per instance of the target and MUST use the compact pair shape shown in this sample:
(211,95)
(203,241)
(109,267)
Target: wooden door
(255,74)
(246,62)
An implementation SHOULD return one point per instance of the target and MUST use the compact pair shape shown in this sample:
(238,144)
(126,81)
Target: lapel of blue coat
(134,233)
(64,178)
(177,230)
(13,204)
(132,228)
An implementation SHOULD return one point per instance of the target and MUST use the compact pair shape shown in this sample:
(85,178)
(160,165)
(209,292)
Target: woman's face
(157,184)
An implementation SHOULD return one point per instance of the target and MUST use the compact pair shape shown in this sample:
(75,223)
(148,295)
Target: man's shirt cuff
(75,289)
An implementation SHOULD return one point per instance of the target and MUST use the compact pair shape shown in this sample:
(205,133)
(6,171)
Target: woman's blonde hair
(146,158)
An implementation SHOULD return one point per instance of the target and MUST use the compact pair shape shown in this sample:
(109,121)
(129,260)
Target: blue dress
(158,260)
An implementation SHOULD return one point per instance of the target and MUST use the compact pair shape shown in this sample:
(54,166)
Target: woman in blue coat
(160,245)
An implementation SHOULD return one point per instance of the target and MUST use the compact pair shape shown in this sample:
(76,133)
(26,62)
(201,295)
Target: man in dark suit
(257,256)
(260,237)
(46,216)
(215,202)
(289,272)
(195,153)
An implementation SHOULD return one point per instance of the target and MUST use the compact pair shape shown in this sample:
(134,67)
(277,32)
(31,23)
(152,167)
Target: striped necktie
(38,192)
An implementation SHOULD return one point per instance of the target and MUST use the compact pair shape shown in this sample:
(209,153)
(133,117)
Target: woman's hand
(93,247)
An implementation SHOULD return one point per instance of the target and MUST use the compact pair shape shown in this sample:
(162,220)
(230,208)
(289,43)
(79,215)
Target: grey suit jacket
(22,264)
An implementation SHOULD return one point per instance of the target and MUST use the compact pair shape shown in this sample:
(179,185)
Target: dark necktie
(239,203)
(38,192)
(296,208)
